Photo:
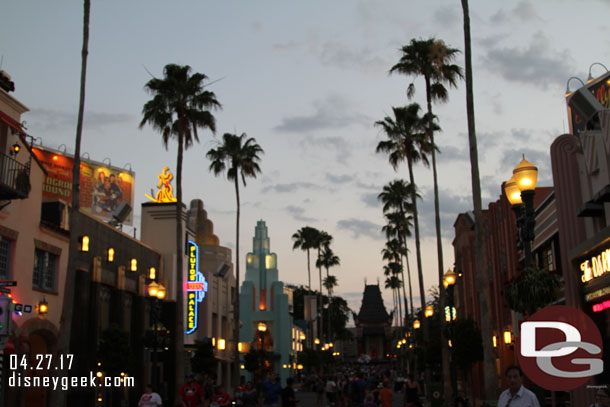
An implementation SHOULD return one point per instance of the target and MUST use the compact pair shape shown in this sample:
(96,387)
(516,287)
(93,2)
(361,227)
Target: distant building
(373,324)
(264,300)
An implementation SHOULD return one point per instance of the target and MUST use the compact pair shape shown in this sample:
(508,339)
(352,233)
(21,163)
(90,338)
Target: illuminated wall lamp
(15,149)
(84,244)
(43,306)
(110,255)
(221,344)
(134,264)
(508,337)
(494,340)
(152,273)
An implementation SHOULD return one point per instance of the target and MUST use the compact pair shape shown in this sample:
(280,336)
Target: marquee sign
(596,266)
(196,287)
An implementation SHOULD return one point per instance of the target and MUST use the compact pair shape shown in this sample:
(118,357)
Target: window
(5,257)
(45,264)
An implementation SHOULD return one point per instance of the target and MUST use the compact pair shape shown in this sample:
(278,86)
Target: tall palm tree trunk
(420,274)
(439,249)
(329,291)
(308,271)
(65,322)
(320,305)
(406,256)
(236,373)
(482,276)
(399,299)
(179,326)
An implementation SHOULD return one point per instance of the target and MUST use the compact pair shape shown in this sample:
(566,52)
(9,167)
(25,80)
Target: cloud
(344,56)
(297,214)
(448,16)
(283,188)
(339,179)
(370,200)
(257,27)
(524,11)
(343,150)
(331,113)
(286,46)
(360,227)
(536,65)
(450,206)
(52,120)
(451,153)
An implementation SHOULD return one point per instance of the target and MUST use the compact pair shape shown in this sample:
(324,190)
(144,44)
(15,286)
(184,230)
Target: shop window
(5,257)
(45,265)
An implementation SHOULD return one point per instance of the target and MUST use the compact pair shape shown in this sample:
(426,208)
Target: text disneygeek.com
(64,383)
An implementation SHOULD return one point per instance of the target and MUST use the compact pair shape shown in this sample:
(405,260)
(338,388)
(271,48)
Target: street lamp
(449,279)
(262,328)
(416,324)
(429,311)
(157,293)
(520,191)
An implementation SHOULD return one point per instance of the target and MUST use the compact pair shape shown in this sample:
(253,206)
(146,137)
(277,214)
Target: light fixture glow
(508,337)
(152,273)
(262,327)
(221,344)
(84,243)
(110,255)
(526,175)
(134,264)
(416,324)
(429,311)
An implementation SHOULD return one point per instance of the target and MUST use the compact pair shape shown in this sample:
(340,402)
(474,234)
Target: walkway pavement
(308,399)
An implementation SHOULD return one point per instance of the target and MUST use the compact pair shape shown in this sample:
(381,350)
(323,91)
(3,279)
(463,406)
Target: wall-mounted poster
(102,187)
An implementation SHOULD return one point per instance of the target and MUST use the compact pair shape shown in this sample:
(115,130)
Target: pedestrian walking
(602,398)
(249,397)
(272,389)
(516,395)
(150,398)
(289,399)
(412,392)
(386,396)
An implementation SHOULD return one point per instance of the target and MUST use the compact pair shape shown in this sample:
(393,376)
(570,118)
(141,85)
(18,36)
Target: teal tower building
(264,306)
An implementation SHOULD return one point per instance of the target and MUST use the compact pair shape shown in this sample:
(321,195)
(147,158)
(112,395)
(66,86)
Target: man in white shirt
(516,395)
(149,398)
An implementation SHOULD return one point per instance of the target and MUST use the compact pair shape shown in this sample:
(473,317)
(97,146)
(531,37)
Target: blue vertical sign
(196,287)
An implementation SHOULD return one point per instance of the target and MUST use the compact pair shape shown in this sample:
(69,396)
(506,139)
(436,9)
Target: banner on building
(102,187)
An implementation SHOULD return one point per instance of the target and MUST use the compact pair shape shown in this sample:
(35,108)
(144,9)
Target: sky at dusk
(308,80)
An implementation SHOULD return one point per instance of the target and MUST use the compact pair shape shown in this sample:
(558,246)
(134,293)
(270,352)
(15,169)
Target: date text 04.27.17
(41,361)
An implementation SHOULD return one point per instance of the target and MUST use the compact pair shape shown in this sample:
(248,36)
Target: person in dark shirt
(288,396)
(272,390)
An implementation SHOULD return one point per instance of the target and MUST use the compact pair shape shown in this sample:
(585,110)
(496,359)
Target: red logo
(560,348)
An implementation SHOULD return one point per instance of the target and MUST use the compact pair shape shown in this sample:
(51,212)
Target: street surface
(308,399)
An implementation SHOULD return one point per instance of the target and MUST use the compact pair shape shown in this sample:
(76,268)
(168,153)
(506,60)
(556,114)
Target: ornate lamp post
(449,279)
(520,191)
(262,328)
(157,293)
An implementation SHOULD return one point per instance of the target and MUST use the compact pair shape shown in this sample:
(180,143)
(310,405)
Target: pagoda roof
(372,310)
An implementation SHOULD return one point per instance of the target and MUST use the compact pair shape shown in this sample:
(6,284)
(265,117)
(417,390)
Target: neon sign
(596,266)
(196,287)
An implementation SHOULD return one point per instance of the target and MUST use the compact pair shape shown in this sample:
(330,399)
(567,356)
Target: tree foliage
(204,361)
(467,343)
(531,290)
(114,351)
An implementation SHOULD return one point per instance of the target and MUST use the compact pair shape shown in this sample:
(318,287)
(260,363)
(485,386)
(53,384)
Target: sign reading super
(196,287)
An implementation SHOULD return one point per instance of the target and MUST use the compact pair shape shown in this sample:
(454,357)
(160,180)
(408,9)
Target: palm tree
(394,283)
(330,283)
(179,106)
(65,322)
(240,156)
(432,59)
(396,248)
(396,195)
(407,142)
(327,260)
(482,277)
(305,239)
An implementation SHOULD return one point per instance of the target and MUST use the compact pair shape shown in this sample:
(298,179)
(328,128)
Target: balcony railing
(14,178)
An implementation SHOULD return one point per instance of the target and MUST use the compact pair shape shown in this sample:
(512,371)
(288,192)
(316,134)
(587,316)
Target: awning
(12,123)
